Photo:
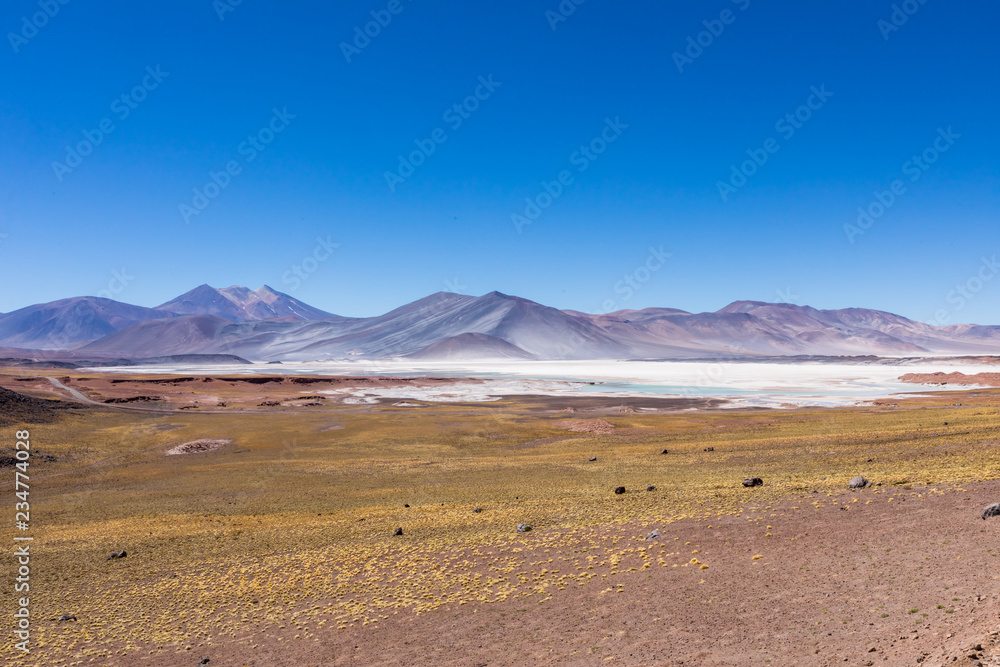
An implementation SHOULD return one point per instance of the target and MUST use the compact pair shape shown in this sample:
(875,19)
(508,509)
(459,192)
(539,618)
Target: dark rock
(523,528)
(67,617)
(665,451)
(204,661)
(406,504)
(651,488)
(619,490)
(118,554)
(753,481)
(992,510)
(653,535)
(710,449)
(398,531)
(858,482)
(592,458)
(134,399)
(477,510)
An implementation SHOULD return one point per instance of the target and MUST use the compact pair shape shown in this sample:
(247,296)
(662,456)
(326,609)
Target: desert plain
(266,521)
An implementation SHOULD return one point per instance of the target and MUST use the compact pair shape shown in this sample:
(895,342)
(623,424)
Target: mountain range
(267,325)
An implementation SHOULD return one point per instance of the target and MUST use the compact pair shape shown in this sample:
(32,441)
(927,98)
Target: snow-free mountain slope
(66,323)
(240,304)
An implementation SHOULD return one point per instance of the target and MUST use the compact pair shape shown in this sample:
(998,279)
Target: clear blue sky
(448,225)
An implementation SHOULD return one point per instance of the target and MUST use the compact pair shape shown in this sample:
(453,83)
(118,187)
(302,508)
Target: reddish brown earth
(983,379)
(907,582)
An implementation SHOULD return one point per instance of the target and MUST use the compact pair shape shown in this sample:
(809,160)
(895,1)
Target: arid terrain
(259,518)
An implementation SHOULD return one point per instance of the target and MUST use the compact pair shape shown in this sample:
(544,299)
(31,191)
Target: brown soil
(984,379)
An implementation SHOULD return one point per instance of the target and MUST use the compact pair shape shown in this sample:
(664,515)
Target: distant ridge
(241,304)
(266,325)
(66,323)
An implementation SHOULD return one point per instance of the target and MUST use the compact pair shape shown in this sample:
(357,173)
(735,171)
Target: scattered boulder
(67,617)
(619,490)
(477,510)
(665,451)
(992,510)
(653,535)
(710,449)
(651,488)
(205,661)
(858,482)
(117,554)
(397,532)
(592,458)
(753,481)
(523,528)
(406,504)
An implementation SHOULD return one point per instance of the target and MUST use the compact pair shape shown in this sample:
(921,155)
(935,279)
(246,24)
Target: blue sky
(645,140)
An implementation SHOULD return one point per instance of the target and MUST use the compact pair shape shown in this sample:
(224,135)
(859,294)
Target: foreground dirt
(279,548)
(814,580)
